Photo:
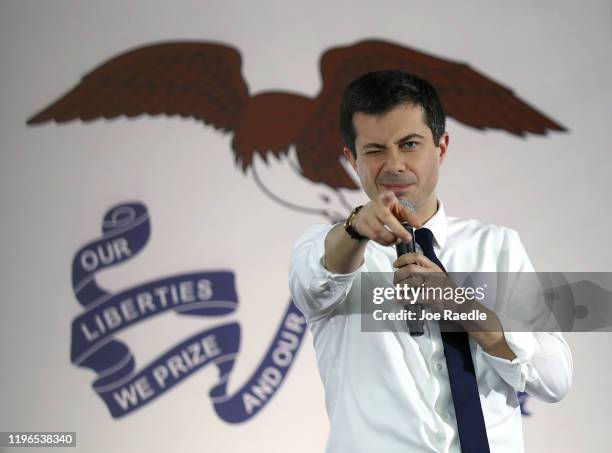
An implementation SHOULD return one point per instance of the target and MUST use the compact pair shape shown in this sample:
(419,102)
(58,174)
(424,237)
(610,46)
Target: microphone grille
(409,205)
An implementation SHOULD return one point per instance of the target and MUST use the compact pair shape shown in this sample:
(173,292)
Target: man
(390,391)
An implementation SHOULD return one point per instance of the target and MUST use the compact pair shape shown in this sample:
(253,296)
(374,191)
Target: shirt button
(439,366)
(445,417)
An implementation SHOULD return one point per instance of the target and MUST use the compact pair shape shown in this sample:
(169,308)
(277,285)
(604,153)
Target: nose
(395,163)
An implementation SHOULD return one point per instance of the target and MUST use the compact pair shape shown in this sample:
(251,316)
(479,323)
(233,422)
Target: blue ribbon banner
(125,232)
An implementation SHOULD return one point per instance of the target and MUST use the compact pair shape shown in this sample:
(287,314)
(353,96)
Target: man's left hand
(415,269)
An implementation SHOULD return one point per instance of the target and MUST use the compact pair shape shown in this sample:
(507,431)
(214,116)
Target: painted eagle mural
(203,80)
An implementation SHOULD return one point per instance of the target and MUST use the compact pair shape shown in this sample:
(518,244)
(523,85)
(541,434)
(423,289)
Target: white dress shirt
(388,391)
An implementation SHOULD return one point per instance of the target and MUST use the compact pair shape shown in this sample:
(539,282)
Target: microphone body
(415,326)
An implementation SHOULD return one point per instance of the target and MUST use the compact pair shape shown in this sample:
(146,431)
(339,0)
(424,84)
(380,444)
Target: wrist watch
(350,229)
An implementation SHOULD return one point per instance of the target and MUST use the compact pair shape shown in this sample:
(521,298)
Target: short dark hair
(376,93)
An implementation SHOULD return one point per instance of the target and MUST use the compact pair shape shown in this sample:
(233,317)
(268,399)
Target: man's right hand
(380,220)
(344,254)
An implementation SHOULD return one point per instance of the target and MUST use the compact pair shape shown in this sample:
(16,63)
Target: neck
(427,211)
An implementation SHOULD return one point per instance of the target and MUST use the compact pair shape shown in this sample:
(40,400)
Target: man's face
(396,152)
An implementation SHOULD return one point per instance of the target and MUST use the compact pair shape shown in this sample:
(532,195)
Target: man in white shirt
(389,391)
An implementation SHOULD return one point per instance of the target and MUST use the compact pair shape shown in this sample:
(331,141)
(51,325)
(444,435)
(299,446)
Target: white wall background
(57,181)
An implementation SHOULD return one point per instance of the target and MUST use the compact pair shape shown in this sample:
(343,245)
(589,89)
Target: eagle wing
(190,79)
(467,95)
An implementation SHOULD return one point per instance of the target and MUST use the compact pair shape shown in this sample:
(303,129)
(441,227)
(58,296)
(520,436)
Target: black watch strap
(350,229)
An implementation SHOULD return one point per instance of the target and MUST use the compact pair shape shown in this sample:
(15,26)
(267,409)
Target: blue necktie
(461,375)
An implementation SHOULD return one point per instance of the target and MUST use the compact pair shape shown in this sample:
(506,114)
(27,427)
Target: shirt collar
(437,225)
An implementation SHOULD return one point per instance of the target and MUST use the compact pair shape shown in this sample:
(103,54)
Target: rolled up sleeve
(542,367)
(315,290)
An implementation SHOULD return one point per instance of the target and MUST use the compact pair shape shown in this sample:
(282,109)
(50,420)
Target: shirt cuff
(328,282)
(327,287)
(514,372)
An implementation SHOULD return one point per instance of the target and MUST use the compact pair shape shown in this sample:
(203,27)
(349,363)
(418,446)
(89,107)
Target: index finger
(385,214)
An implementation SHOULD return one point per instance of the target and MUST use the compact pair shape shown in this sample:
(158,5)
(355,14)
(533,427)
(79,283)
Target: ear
(443,147)
(349,156)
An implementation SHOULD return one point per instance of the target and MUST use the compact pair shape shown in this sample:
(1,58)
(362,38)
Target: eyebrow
(403,139)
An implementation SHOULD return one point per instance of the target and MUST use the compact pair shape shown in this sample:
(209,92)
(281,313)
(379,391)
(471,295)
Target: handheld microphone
(415,326)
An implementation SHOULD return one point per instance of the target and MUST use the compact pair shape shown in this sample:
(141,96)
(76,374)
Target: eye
(410,144)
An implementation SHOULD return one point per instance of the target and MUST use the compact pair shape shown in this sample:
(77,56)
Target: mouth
(397,187)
